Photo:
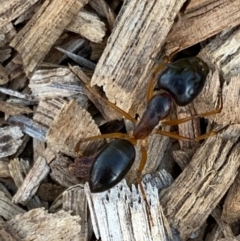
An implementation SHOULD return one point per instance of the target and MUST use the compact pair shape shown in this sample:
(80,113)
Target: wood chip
(118,213)
(19,169)
(34,177)
(13,109)
(74,199)
(88,25)
(4,170)
(202,17)
(28,228)
(10,140)
(60,82)
(208,177)
(29,126)
(39,36)
(71,124)
(7,33)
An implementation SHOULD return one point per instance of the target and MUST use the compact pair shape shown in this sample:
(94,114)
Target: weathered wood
(30,127)
(88,25)
(118,213)
(60,82)
(203,182)
(74,199)
(13,109)
(125,65)
(39,37)
(34,177)
(19,169)
(12,9)
(69,126)
(198,22)
(10,140)
(28,225)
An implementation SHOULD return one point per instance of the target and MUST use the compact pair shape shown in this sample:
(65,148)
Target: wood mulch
(61,61)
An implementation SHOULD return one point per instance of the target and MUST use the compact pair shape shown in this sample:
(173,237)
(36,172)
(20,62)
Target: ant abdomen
(111,165)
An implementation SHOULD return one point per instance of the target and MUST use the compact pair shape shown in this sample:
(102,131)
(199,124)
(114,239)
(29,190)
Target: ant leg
(183,120)
(107,102)
(139,178)
(116,135)
(154,74)
(173,135)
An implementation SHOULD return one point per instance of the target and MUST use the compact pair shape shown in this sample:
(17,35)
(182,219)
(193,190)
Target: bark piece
(39,225)
(60,82)
(12,9)
(74,199)
(197,191)
(7,209)
(10,140)
(44,28)
(69,126)
(88,25)
(199,23)
(125,66)
(34,177)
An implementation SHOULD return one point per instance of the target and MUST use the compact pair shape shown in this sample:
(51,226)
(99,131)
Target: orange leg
(173,135)
(183,120)
(155,73)
(94,92)
(139,177)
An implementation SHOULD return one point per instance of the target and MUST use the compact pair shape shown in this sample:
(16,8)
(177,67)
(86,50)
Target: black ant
(181,82)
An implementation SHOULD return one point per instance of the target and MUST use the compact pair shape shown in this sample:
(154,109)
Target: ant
(181,82)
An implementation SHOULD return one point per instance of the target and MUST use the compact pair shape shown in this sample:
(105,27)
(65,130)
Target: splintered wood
(66,69)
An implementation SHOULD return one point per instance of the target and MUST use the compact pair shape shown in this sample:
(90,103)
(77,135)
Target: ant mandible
(181,82)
